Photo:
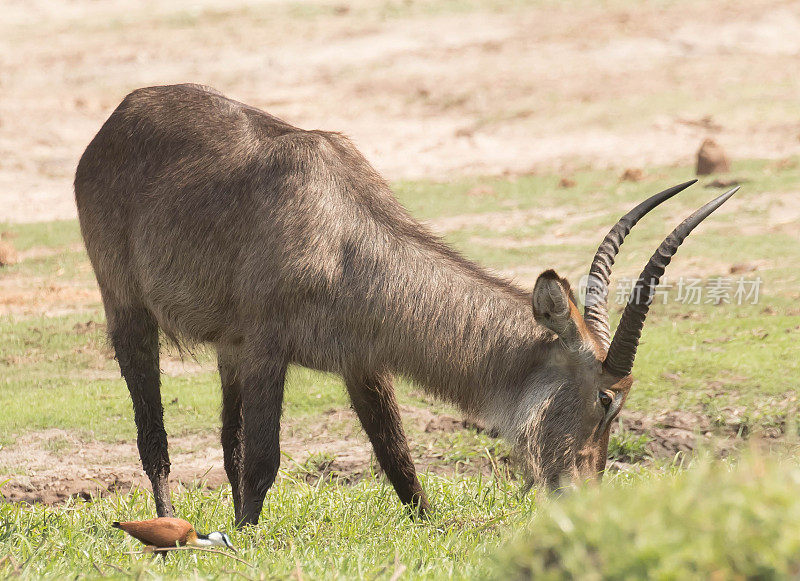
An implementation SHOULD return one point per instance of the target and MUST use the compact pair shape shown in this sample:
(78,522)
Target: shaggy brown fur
(219,223)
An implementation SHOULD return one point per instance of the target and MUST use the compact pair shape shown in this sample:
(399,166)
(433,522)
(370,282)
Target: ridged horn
(595,312)
(622,351)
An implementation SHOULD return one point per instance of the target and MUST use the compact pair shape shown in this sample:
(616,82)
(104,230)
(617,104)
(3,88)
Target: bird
(166,532)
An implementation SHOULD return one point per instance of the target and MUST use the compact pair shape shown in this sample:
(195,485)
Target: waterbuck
(216,222)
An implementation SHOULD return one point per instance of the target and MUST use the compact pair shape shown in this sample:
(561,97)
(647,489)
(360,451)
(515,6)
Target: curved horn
(595,312)
(622,351)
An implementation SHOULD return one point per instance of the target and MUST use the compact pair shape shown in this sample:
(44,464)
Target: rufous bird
(165,532)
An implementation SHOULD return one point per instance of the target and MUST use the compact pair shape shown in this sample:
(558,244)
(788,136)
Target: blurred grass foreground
(732,520)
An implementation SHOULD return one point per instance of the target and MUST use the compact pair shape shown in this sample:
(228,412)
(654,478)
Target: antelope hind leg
(134,335)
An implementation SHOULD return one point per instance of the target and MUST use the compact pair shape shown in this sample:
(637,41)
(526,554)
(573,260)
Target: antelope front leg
(375,404)
(134,334)
(262,398)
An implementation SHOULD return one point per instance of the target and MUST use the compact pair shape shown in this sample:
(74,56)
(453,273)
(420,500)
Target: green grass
(720,361)
(628,447)
(44,234)
(329,531)
(714,521)
(721,520)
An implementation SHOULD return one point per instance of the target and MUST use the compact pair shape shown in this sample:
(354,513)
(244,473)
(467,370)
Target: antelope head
(574,400)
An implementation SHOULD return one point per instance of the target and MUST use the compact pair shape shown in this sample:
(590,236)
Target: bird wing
(159,532)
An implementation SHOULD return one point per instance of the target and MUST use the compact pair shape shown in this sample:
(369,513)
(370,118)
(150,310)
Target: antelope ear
(554,309)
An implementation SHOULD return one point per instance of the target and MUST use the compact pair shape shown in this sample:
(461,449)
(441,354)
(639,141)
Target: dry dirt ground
(54,465)
(425,88)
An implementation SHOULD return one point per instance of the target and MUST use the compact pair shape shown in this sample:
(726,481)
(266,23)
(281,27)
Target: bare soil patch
(25,297)
(676,433)
(52,465)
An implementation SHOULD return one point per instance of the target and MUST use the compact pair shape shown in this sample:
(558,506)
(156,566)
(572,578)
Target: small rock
(8,254)
(741,267)
(632,175)
(711,158)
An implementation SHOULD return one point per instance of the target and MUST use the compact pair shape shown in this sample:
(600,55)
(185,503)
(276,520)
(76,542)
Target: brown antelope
(216,222)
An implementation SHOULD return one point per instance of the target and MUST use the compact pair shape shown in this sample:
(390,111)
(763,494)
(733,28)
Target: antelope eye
(605,399)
